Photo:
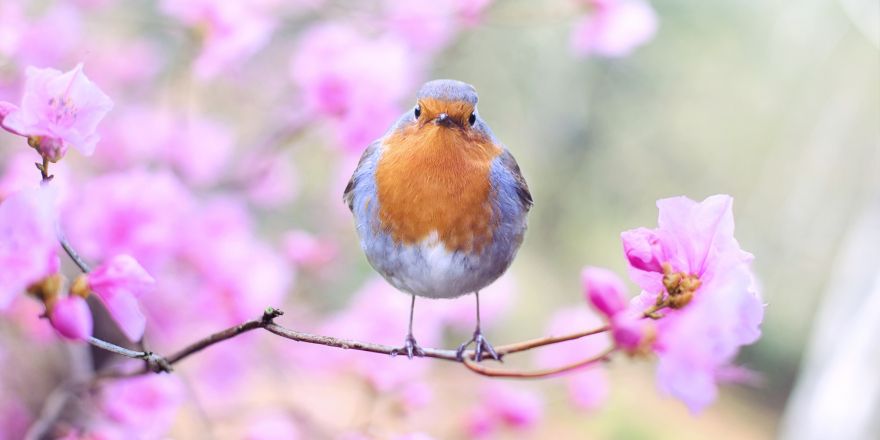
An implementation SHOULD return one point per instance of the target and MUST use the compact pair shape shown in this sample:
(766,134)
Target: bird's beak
(443,119)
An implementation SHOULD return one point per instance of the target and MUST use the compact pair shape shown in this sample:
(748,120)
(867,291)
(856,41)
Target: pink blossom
(503,404)
(200,149)
(12,26)
(304,249)
(430,25)
(604,290)
(706,279)
(231,30)
(118,283)
(426,25)
(272,180)
(588,388)
(49,39)
(146,405)
(27,241)
(614,28)
(103,219)
(70,315)
(15,417)
(59,110)
(272,425)
(416,395)
(354,80)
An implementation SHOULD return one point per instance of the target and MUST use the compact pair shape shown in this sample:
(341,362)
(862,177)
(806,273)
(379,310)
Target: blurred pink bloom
(142,61)
(271,180)
(60,109)
(470,12)
(144,406)
(118,283)
(503,404)
(70,315)
(104,219)
(50,39)
(413,436)
(426,25)
(272,425)
(304,249)
(27,241)
(22,312)
(200,149)
(242,294)
(697,341)
(355,80)
(12,26)
(588,388)
(231,30)
(614,28)
(15,418)
(604,290)
(416,395)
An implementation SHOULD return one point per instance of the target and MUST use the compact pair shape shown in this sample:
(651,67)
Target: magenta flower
(118,283)
(693,266)
(59,110)
(28,242)
(614,28)
(71,317)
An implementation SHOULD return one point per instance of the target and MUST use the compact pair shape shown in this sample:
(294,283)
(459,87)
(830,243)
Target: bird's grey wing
(366,163)
(521,187)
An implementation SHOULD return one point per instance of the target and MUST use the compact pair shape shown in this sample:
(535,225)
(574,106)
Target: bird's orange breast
(436,179)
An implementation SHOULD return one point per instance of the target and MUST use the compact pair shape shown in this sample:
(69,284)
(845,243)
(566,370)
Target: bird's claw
(410,347)
(481,345)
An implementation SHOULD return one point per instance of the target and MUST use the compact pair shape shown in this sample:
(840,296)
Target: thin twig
(77,259)
(535,374)
(540,342)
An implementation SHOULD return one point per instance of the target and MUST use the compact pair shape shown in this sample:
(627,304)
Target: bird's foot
(410,347)
(481,345)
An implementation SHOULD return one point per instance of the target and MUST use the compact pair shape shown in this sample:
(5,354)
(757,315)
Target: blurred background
(237,124)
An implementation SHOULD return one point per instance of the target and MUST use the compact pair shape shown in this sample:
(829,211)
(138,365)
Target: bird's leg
(410,346)
(480,343)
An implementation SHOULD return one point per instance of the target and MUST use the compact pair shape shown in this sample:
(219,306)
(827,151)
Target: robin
(439,204)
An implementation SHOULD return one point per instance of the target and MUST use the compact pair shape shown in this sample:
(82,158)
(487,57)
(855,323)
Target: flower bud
(71,318)
(632,333)
(604,290)
(643,249)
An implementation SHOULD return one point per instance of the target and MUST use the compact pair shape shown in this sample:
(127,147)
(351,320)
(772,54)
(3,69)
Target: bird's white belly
(429,269)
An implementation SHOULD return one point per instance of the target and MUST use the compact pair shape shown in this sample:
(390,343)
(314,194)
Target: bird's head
(448,103)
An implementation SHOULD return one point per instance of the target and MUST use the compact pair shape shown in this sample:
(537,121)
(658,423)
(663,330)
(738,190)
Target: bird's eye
(472,119)
(418,111)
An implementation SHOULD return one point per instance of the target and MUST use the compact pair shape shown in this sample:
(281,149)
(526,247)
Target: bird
(440,205)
